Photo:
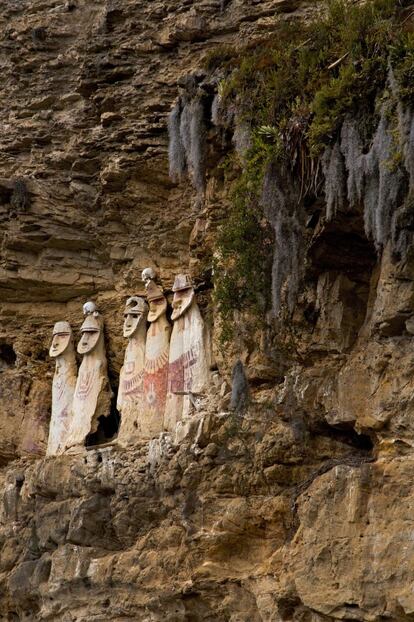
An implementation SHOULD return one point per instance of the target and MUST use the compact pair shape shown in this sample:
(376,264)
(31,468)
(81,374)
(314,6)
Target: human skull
(148,275)
(89,308)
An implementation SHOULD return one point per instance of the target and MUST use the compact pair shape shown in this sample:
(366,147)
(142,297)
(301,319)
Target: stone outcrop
(198,532)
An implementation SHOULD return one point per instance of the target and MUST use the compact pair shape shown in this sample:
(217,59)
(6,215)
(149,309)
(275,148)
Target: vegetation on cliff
(328,108)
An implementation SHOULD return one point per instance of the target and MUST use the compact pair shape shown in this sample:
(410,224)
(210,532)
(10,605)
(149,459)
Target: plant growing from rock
(329,103)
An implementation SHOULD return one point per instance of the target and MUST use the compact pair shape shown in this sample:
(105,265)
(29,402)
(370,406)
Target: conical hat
(154,292)
(62,328)
(91,324)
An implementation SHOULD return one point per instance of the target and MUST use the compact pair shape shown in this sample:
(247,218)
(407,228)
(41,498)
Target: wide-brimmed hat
(154,292)
(182,281)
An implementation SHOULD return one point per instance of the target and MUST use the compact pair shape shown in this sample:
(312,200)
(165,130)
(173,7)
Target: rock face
(358,527)
(292,505)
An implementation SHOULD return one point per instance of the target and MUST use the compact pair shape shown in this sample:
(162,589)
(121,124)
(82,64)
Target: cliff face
(298,509)
(89,88)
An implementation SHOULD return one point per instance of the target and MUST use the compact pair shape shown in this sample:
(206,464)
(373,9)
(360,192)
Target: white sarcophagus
(188,370)
(156,363)
(64,381)
(92,398)
(131,378)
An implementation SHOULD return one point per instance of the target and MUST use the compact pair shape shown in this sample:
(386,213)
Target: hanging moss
(176,150)
(187,141)
(334,172)
(280,200)
(328,102)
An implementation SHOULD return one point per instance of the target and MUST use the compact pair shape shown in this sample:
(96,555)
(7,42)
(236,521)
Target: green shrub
(244,244)
(294,90)
(334,65)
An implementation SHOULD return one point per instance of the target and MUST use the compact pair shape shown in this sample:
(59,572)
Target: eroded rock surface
(198,534)
(294,506)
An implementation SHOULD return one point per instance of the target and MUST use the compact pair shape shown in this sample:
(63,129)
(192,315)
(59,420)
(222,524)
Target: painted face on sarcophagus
(90,333)
(136,310)
(157,307)
(62,334)
(183,295)
(157,302)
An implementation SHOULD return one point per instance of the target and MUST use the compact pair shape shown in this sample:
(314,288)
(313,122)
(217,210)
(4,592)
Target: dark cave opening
(345,434)
(7,356)
(107,428)
(339,271)
(343,246)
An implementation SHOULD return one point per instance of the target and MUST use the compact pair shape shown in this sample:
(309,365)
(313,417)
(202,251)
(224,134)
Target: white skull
(89,308)
(148,275)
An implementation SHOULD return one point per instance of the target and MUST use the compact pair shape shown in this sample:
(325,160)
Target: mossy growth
(244,244)
(334,65)
(294,90)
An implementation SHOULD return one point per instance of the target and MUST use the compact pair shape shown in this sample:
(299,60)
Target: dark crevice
(287,606)
(342,246)
(107,428)
(7,356)
(343,433)
(343,251)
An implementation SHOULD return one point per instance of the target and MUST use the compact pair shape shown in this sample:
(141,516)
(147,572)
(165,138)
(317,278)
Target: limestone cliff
(296,506)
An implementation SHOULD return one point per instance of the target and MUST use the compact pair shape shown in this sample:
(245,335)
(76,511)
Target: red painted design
(180,374)
(86,381)
(155,383)
(132,387)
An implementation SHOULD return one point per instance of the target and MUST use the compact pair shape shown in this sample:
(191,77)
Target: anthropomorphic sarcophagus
(156,363)
(188,369)
(131,378)
(92,398)
(63,388)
